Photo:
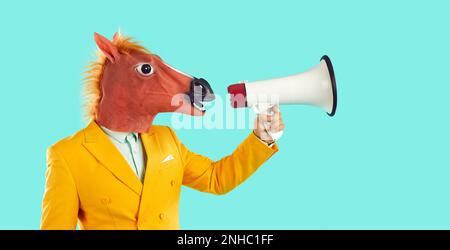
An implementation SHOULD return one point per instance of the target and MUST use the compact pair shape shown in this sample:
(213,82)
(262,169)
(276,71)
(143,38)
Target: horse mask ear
(116,37)
(107,47)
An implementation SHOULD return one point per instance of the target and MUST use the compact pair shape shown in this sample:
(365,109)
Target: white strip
(179,71)
(168,158)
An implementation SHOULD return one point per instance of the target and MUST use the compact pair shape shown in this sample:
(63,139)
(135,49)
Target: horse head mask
(128,86)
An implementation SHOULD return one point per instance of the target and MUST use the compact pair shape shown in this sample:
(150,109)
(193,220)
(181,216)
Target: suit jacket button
(161,216)
(172,183)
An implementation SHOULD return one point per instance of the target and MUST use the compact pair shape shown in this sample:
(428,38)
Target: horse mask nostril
(200,91)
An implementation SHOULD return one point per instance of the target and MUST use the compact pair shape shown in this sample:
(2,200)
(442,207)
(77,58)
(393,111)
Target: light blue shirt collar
(119,136)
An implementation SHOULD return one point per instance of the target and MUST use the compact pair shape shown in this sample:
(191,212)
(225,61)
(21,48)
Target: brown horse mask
(135,85)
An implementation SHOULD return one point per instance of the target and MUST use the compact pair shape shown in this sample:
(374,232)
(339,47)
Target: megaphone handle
(275,135)
(267,109)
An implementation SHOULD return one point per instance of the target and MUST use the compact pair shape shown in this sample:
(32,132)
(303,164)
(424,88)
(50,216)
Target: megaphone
(316,87)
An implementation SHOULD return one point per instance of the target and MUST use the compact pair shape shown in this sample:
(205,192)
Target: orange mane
(92,93)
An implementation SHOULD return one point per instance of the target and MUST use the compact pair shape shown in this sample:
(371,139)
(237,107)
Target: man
(123,172)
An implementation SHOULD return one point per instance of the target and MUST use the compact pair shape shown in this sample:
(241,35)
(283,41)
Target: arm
(220,177)
(60,203)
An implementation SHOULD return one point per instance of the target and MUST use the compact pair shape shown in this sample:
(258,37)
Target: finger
(276,124)
(281,127)
(268,126)
(278,119)
(276,113)
(276,108)
(262,132)
(273,125)
(260,124)
(265,117)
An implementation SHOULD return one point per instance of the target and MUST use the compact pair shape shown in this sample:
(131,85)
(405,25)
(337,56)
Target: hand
(265,122)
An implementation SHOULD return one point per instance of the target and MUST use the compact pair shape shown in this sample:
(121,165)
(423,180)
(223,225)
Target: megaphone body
(316,87)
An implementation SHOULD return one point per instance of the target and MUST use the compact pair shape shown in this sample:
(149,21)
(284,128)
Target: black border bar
(266,239)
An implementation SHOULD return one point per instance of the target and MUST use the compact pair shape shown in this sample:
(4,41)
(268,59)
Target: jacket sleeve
(60,203)
(220,177)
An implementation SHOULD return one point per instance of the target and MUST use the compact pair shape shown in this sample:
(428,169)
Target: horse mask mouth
(200,92)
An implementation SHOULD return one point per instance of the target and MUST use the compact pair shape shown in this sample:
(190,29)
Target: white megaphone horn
(316,87)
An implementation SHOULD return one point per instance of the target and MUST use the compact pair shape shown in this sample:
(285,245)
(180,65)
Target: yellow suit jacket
(88,181)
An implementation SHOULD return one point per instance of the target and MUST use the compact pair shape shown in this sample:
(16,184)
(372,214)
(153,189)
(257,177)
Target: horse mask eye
(144,69)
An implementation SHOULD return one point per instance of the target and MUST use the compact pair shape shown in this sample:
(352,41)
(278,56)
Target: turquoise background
(381,163)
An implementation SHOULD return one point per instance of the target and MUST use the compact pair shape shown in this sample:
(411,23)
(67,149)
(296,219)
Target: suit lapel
(154,157)
(98,143)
